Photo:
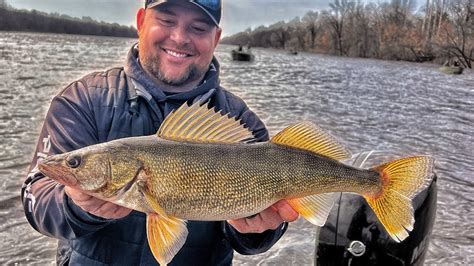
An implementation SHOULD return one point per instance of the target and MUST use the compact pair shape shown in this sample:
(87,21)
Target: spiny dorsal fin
(307,136)
(198,123)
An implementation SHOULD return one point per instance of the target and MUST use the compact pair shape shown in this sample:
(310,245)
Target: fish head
(94,170)
(79,169)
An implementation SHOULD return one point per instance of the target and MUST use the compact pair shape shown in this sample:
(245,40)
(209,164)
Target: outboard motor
(353,235)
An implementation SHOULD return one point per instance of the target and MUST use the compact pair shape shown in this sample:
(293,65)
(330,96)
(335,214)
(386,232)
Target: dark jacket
(118,103)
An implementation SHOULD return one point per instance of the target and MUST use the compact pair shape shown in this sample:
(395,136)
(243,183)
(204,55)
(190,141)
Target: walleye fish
(203,166)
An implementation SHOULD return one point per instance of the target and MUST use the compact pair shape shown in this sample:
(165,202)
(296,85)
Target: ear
(140,18)
(218,36)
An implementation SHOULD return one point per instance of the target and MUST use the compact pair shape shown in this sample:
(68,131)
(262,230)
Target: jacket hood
(135,71)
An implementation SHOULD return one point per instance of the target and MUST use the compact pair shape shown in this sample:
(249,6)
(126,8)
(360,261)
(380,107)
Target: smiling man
(177,43)
(173,63)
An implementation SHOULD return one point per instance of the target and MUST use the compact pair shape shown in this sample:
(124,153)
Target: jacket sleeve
(69,125)
(251,244)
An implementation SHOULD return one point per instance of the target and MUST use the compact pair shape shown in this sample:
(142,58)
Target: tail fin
(401,182)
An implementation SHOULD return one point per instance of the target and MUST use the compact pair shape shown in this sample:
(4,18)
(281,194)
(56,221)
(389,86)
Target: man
(172,64)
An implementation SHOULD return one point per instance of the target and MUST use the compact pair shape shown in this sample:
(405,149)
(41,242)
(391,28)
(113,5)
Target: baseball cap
(213,8)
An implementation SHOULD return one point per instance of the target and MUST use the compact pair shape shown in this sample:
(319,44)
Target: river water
(368,104)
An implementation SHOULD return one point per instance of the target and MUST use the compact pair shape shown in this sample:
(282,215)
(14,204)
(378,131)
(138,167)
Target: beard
(152,64)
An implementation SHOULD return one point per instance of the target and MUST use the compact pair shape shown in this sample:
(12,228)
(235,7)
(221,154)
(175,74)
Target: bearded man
(173,63)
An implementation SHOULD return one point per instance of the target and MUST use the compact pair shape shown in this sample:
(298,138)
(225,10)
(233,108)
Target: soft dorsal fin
(307,136)
(198,123)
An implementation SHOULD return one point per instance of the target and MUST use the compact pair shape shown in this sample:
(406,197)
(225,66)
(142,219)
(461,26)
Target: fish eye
(73,161)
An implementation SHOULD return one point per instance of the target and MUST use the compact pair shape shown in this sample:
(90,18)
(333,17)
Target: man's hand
(270,218)
(96,206)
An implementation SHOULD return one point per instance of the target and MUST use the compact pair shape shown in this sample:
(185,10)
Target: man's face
(176,42)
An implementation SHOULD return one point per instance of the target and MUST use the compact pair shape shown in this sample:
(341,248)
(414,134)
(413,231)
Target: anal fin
(314,208)
(166,234)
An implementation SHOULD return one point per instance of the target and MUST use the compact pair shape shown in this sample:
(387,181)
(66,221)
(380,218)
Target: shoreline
(66,34)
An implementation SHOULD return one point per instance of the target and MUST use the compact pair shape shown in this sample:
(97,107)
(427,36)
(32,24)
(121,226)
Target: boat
(353,235)
(456,70)
(242,55)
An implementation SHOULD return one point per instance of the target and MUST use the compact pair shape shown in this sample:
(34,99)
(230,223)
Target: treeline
(443,30)
(34,21)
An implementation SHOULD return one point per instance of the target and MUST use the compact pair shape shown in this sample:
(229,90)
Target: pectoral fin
(314,208)
(166,234)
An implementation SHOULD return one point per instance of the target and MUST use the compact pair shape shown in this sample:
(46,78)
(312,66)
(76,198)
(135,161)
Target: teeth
(175,54)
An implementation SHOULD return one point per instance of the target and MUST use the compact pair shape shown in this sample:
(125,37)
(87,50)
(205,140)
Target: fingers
(285,211)
(83,200)
(270,218)
(95,206)
(255,225)
(111,211)
(239,224)
(77,195)
(121,212)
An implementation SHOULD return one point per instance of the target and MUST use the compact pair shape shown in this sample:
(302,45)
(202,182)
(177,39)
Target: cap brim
(196,4)
(156,3)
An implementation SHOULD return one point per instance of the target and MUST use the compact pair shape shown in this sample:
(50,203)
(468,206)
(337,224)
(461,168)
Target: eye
(73,161)
(166,22)
(201,28)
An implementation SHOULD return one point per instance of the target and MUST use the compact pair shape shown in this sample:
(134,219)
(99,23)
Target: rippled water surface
(369,104)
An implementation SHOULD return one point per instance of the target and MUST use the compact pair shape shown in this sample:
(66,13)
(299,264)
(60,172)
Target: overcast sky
(238,14)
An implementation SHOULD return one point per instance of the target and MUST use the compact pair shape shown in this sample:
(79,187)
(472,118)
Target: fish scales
(223,181)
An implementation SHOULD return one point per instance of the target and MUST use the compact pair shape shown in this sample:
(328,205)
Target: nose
(180,36)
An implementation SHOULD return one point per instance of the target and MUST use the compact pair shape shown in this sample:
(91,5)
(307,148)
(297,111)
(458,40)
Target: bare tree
(298,38)
(337,16)
(360,34)
(442,10)
(280,34)
(458,39)
(310,21)
(297,34)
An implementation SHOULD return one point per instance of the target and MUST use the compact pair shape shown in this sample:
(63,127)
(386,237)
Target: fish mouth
(54,168)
